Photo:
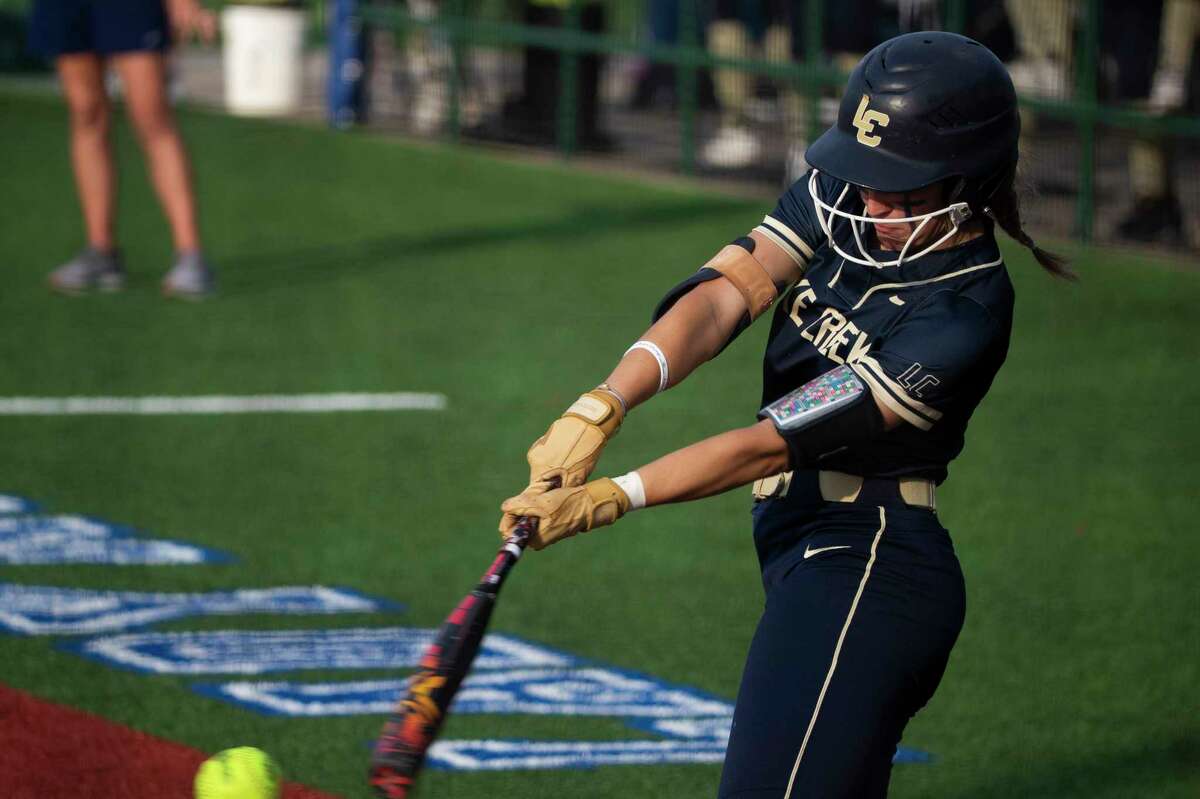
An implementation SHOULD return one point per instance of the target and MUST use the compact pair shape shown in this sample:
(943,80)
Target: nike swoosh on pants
(809,551)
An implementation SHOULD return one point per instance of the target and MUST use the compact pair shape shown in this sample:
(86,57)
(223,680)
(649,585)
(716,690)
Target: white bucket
(263,59)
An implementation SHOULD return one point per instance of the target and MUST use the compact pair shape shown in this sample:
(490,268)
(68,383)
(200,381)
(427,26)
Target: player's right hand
(564,512)
(569,450)
(188,17)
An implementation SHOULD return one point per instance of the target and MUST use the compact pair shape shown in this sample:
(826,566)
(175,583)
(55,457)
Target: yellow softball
(239,773)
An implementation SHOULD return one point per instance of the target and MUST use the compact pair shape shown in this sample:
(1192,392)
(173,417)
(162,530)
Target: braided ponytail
(1004,209)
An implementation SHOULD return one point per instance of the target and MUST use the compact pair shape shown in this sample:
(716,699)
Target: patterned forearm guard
(815,400)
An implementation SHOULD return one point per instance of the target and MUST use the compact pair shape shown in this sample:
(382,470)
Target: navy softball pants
(863,605)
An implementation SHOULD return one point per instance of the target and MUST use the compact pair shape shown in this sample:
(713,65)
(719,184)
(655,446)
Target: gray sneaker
(191,278)
(90,269)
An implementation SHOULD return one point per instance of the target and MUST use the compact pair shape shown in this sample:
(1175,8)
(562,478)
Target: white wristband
(653,349)
(631,484)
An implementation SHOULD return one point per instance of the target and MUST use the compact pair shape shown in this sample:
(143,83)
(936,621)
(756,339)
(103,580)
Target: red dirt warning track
(49,751)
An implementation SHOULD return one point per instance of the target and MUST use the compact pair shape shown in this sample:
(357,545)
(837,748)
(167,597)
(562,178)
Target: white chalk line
(221,404)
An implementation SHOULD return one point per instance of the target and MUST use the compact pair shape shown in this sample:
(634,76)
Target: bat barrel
(411,729)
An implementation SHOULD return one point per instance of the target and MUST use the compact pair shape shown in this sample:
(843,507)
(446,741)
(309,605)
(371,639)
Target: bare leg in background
(144,78)
(82,78)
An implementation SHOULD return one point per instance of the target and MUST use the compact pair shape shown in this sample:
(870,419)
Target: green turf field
(353,263)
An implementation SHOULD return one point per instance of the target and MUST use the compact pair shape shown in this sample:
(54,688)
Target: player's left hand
(563,512)
(189,17)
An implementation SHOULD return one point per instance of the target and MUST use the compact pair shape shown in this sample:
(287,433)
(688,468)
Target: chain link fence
(734,89)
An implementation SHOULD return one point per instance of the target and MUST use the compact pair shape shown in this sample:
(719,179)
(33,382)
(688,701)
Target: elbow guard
(825,416)
(737,264)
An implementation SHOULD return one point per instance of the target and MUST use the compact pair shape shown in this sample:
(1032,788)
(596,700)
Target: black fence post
(814,57)
(1089,57)
(568,77)
(686,79)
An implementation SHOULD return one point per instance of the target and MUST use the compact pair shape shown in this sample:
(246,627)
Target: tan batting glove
(570,448)
(563,512)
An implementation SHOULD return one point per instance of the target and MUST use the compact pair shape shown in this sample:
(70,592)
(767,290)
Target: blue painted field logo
(512,755)
(76,539)
(254,652)
(510,676)
(590,691)
(689,726)
(45,610)
(583,691)
(10,503)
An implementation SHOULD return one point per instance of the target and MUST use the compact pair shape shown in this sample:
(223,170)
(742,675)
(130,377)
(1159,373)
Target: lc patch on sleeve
(931,359)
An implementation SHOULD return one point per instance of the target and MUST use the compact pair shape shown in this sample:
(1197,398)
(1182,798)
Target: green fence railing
(1082,130)
(1079,105)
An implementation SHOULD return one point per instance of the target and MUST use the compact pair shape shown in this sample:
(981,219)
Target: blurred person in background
(746,29)
(430,66)
(775,30)
(655,81)
(1161,82)
(1176,51)
(84,38)
(1043,30)
(531,116)
(350,62)
(1141,47)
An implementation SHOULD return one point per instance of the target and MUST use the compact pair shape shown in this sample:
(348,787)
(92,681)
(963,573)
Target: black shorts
(62,27)
(861,614)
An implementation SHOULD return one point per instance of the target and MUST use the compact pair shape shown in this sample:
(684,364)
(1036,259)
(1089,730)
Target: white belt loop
(918,492)
(839,486)
(776,485)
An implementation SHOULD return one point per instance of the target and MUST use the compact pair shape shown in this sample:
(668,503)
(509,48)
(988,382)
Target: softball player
(893,318)
(84,37)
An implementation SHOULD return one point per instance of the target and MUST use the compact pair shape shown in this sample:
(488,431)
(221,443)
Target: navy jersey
(927,336)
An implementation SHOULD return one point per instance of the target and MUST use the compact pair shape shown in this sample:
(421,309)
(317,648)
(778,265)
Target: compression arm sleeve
(824,416)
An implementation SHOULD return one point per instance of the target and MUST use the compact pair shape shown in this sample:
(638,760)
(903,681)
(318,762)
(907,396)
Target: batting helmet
(919,109)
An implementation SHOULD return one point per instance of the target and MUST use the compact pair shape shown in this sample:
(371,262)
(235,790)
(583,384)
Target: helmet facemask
(958,212)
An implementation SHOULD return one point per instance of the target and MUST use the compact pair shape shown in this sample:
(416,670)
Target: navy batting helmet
(918,109)
(921,108)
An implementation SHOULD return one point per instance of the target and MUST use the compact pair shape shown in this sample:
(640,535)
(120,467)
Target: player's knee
(89,115)
(153,123)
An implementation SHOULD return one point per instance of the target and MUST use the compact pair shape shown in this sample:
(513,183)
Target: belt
(842,487)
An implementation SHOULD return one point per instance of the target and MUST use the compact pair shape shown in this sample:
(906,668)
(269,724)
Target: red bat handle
(413,726)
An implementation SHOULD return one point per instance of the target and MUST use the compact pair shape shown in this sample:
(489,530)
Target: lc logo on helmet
(866,120)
